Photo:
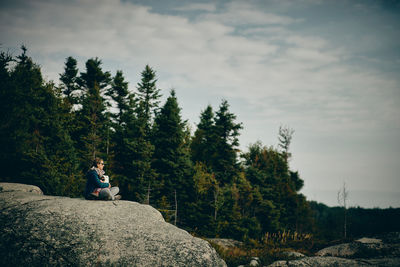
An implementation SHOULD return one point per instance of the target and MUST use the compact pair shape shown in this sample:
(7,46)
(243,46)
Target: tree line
(50,134)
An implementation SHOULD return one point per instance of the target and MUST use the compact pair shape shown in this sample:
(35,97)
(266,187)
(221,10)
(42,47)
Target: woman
(95,188)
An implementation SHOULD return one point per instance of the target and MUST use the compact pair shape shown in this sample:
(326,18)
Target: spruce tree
(261,168)
(203,145)
(171,158)
(7,101)
(131,152)
(120,95)
(69,84)
(148,95)
(209,200)
(91,136)
(139,182)
(225,164)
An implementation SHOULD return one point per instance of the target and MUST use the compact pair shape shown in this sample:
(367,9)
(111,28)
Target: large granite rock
(40,230)
(361,246)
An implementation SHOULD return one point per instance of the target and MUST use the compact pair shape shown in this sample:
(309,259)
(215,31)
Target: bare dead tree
(342,197)
(176,208)
(148,195)
(285,138)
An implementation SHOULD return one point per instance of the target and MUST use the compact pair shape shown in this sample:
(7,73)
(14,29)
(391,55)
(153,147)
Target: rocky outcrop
(336,261)
(40,230)
(293,254)
(352,249)
(361,252)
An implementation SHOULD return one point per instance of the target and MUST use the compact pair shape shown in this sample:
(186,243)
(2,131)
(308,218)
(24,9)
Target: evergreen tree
(208,201)
(138,139)
(171,159)
(265,170)
(203,143)
(131,152)
(148,95)
(225,164)
(215,142)
(120,95)
(67,91)
(69,84)
(92,134)
(7,101)
(268,171)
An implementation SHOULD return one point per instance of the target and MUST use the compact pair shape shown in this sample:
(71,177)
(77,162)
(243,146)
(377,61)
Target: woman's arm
(95,179)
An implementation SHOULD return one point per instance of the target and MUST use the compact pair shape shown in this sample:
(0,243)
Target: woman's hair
(96,161)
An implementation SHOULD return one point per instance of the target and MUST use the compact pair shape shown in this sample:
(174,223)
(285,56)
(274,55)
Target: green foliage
(69,80)
(225,164)
(171,159)
(93,122)
(202,147)
(148,95)
(131,150)
(37,149)
(361,222)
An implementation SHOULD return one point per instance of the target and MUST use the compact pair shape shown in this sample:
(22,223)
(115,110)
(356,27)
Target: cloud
(243,13)
(284,73)
(209,7)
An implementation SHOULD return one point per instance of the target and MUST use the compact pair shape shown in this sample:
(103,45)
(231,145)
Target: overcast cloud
(328,69)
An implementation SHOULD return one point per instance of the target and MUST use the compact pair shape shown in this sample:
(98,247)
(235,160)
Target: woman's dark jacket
(93,182)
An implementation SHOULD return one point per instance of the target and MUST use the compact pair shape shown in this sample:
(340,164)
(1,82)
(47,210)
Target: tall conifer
(92,137)
(171,158)
(148,95)
(69,84)
(225,162)
(204,139)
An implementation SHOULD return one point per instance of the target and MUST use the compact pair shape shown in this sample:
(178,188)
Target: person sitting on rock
(95,187)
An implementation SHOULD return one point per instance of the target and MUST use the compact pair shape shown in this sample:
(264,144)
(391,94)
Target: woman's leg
(105,194)
(108,193)
(114,191)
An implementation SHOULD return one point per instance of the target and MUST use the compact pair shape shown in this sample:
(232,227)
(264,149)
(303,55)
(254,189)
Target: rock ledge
(40,230)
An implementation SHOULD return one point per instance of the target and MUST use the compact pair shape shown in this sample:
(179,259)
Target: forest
(200,181)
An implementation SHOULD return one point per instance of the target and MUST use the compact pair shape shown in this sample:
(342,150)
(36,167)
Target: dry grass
(269,249)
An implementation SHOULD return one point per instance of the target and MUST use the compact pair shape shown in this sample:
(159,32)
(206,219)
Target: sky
(327,69)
